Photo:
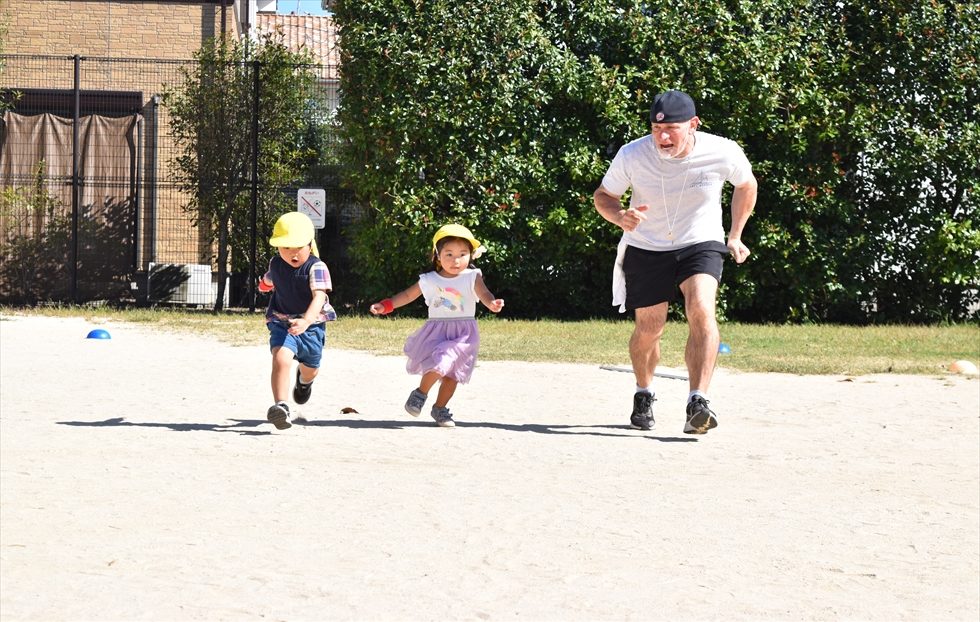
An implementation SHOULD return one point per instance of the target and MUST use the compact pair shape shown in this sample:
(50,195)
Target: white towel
(619,277)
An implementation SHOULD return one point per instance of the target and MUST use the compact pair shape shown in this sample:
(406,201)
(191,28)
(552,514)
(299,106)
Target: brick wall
(170,29)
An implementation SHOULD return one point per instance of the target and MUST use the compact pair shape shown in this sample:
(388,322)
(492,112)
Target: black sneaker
(700,418)
(302,392)
(642,417)
(278,415)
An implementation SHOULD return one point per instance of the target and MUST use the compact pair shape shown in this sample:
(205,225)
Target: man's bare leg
(645,354)
(701,352)
(645,342)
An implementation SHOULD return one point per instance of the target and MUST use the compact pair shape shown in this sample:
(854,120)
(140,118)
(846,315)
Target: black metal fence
(90,206)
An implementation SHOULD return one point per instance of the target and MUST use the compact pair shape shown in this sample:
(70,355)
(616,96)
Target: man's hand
(633,217)
(738,250)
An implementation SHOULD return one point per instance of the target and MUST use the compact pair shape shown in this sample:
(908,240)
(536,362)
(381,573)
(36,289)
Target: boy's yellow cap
(293,230)
(458,231)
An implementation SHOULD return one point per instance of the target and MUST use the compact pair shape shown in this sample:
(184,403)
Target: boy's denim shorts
(307,347)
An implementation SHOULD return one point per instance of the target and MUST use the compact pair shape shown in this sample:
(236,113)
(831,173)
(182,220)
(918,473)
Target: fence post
(135,192)
(76,182)
(255,188)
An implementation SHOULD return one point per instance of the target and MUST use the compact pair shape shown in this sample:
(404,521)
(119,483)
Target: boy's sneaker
(642,417)
(443,417)
(416,400)
(302,392)
(700,418)
(278,415)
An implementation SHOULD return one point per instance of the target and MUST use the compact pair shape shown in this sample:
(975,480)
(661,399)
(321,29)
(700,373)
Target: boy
(298,309)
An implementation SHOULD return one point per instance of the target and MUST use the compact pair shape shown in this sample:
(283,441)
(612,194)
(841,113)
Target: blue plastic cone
(98,333)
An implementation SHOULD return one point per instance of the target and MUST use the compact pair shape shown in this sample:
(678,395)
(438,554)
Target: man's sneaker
(278,415)
(443,417)
(700,419)
(416,400)
(302,392)
(642,417)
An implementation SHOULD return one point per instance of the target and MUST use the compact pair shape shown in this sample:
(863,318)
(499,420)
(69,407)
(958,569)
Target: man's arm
(743,203)
(610,208)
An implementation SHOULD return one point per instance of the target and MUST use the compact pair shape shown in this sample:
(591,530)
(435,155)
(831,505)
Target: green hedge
(861,122)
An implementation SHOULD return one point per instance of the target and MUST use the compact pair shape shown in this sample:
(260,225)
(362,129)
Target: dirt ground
(139,480)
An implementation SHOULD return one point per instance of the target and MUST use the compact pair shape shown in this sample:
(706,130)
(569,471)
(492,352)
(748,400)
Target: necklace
(671,220)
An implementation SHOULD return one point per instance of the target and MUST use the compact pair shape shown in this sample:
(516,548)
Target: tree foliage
(861,121)
(212,114)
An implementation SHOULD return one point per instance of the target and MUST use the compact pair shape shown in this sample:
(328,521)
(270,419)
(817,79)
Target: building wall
(170,29)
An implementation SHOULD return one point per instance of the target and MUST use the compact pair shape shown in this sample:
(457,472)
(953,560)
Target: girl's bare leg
(446,390)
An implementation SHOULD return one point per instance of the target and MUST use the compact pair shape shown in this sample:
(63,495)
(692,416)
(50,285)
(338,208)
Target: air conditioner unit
(189,284)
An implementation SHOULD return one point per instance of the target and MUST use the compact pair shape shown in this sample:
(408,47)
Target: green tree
(212,112)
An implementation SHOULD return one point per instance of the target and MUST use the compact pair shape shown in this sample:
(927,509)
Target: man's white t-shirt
(682,196)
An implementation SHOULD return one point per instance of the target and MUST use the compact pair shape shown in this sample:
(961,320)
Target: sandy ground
(140,481)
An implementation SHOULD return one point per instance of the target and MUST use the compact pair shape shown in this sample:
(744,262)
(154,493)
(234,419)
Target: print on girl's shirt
(449,298)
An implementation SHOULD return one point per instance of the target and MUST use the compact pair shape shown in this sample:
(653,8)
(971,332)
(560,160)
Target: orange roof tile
(314,32)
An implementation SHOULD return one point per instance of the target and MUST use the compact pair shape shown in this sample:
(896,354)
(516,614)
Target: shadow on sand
(249,427)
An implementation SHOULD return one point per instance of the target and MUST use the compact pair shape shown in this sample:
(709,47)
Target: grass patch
(806,349)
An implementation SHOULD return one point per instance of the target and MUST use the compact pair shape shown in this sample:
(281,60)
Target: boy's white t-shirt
(692,188)
(450,298)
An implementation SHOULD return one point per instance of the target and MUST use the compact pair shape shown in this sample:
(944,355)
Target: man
(674,238)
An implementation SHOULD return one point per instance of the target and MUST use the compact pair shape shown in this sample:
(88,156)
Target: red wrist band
(388,305)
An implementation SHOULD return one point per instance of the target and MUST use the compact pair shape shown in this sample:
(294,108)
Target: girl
(445,348)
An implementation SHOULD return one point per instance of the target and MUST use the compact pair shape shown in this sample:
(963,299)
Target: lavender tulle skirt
(445,346)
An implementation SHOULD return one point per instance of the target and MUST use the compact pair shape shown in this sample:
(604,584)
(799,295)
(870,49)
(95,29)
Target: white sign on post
(313,203)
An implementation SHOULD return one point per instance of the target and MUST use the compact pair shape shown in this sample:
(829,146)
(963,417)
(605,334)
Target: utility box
(184,284)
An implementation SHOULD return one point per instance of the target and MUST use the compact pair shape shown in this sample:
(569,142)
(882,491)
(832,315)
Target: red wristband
(388,305)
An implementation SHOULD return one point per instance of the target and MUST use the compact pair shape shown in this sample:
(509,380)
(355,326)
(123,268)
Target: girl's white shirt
(452,298)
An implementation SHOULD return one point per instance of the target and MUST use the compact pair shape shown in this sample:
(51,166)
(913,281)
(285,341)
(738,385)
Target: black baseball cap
(672,107)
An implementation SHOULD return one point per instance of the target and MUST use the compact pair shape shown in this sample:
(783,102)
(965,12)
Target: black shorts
(653,277)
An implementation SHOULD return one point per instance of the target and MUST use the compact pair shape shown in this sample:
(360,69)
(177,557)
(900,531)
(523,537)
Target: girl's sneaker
(416,400)
(443,417)
(278,415)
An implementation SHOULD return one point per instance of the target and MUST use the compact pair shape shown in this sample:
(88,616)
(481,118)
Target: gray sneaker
(278,415)
(416,400)
(443,417)
(700,418)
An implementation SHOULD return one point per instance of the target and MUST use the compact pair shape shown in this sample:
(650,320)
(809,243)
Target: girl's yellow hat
(458,231)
